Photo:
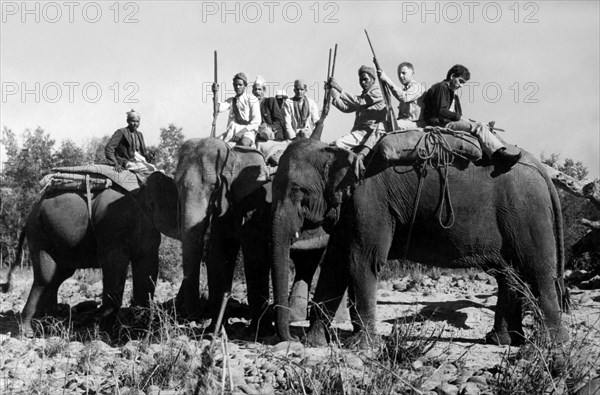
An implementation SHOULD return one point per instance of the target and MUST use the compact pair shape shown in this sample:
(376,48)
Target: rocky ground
(436,348)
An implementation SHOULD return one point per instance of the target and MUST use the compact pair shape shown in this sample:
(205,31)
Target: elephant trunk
(281,232)
(194,224)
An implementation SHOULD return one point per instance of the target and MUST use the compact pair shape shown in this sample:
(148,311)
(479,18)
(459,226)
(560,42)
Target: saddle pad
(74,182)
(125,179)
(417,145)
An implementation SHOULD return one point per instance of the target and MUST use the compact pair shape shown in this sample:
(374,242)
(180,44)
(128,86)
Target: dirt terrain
(442,322)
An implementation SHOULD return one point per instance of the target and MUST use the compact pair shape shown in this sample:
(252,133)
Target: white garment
(290,117)
(249,108)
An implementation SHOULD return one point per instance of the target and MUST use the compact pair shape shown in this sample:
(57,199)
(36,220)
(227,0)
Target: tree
(94,150)
(69,154)
(171,139)
(571,168)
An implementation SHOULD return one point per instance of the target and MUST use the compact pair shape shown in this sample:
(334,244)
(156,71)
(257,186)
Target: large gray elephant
(513,220)
(224,199)
(64,234)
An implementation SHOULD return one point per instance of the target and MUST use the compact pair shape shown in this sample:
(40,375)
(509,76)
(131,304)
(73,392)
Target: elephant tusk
(297,235)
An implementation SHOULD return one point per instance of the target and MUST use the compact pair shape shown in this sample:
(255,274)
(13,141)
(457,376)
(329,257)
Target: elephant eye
(296,193)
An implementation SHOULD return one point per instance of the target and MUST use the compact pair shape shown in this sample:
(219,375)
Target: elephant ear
(245,172)
(342,170)
(162,201)
(341,160)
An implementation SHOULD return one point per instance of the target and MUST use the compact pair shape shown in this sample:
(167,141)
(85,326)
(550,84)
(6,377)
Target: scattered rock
(447,389)
(288,348)
(470,388)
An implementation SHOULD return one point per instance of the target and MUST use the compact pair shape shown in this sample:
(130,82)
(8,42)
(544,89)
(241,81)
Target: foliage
(69,154)
(94,150)
(169,260)
(171,138)
(569,166)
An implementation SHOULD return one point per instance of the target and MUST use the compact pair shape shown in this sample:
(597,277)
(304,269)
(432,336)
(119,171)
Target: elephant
(224,200)
(64,234)
(510,221)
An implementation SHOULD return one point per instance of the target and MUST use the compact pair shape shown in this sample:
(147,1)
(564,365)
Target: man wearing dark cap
(369,107)
(244,113)
(301,112)
(126,148)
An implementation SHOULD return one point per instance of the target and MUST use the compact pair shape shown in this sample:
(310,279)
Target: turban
(132,114)
(241,76)
(368,70)
(300,82)
(259,81)
(281,93)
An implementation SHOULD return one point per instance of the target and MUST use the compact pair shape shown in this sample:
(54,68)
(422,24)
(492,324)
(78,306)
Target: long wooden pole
(213,131)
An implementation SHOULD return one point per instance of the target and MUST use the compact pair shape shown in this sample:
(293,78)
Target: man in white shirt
(409,94)
(244,113)
(301,112)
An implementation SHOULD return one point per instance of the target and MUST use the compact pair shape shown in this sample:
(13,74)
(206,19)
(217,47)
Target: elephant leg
(145,272)
(333,281)
(257,269)
(222,254)
(48,277)
(189,291)
(305,263)
(367,255)
(114,264)
(508,327)
(549,303)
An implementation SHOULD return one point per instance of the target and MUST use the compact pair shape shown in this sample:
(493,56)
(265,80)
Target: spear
(391,121)
(213,131)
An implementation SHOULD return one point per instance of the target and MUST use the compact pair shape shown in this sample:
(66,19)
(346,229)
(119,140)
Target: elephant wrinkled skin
(124,227)
(512,221)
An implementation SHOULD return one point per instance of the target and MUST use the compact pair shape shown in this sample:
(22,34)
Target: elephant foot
(27,330)
(363,340)
(559,336)
(317,335)
(262,329)
(505,338)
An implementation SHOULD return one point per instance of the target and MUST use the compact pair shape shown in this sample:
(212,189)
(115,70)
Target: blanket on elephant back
(434,145)
(98,175)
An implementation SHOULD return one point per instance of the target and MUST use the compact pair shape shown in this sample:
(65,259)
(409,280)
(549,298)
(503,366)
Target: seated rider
(244,113)
(301,112)
(370,110)
(271,112)
(442,108)
(409,94)
(126,148)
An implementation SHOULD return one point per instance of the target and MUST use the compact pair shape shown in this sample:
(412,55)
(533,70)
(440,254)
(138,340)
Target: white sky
(534,65)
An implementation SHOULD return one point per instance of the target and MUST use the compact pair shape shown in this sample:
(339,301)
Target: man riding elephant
(244,113)
(126,148)
(105,227)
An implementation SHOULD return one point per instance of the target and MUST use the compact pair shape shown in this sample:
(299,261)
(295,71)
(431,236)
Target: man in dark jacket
(442,108)
(271,111)
(122,147)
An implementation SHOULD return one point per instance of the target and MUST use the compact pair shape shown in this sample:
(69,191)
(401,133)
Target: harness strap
(88,194)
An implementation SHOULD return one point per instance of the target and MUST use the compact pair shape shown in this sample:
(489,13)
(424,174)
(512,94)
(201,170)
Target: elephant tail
(5,284)
(559,232)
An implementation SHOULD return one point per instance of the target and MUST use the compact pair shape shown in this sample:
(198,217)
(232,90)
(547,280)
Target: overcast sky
(75,68)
